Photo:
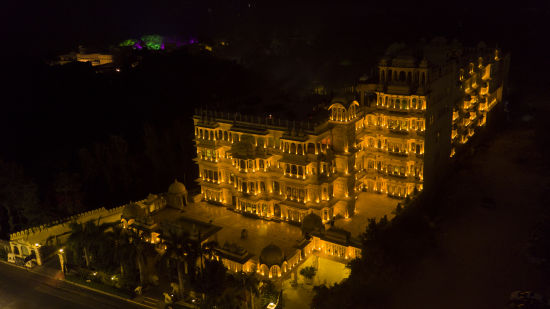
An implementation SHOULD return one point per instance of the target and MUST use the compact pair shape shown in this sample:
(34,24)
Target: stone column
(38,256)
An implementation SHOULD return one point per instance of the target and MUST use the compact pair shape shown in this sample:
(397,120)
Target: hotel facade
(395,136)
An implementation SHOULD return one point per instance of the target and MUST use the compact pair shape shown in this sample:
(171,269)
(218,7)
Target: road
(22,289)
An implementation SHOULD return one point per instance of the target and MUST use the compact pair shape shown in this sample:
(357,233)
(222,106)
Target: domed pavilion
(272,261)
(177,195)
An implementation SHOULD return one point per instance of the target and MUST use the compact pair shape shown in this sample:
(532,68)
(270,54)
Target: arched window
(293,170)
(225,137)
(292,148)
(402,76)
(300,149)
(396,105)
(404,104)
(211,135)
(382,76)
(413,103)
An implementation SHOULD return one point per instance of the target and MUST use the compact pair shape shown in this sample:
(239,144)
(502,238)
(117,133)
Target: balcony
(482,106)
(484,90)
(393,175)
(399,131)
(398,154)
(398,111)
(295,176)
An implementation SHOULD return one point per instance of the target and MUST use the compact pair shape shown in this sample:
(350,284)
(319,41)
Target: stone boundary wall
(58,227)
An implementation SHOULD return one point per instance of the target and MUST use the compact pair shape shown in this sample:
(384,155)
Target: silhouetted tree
(178,248)
(19,199)
(87,238)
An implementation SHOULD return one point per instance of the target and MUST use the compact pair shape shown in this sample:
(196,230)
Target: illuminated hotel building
(275,168)
(483,82)
(394,137)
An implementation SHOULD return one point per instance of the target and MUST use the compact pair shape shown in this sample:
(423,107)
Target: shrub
(308,272)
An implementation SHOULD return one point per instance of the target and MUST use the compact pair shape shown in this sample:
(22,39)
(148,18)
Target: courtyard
(328,272)
(260,232)
(368,205)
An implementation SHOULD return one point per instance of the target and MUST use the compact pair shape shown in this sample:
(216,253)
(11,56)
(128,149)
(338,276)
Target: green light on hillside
(129,42)
(152,41)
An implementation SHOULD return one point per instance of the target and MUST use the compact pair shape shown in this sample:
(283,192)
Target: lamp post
(62,260)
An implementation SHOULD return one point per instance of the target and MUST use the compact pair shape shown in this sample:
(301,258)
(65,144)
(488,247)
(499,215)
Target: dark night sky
(39,29)
(60,25)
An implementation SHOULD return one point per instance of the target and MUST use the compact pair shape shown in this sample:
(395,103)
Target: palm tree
(87,236)
(124,250)
(209,249)
(232,296)
(249,282)
(178,248)
(141,250)
(213,281)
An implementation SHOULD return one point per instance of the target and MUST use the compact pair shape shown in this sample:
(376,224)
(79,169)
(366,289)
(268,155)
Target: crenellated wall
(56,232)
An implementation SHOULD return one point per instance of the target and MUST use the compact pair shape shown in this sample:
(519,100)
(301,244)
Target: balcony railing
(399,154)
(399,131)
